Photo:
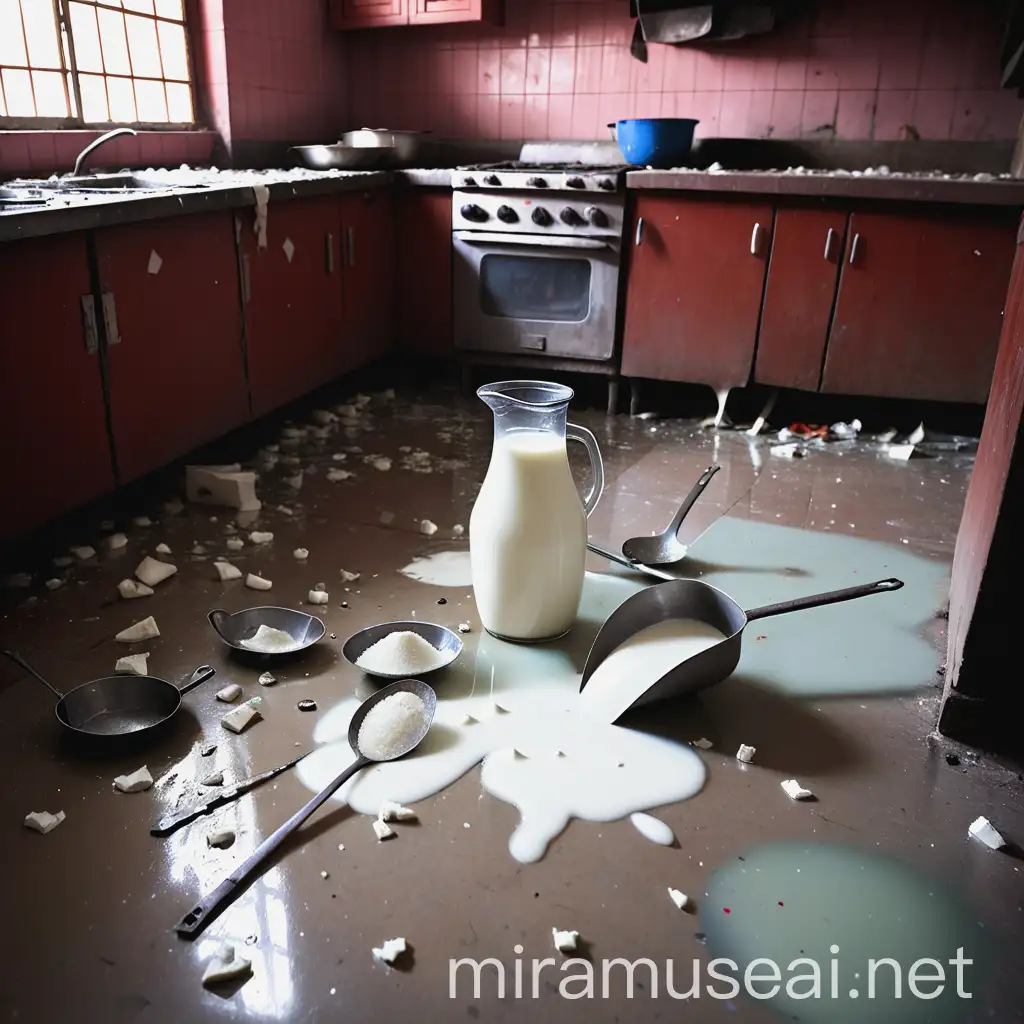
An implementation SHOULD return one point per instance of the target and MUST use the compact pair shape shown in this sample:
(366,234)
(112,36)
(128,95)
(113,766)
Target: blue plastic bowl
(656,141)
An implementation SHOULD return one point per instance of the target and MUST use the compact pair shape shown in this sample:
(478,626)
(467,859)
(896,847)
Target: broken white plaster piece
(162,549)
(464,627)
(390,950)
(226,965)
(142,521)
(745,753)
(458,530)
(198,550)
(318,597)
(267,679)
(155,262)
(349,577)
(116,541)
(226,571)
(137,782)
(152,572)
(43,821)
(383,830)
(336,476)
(130,589)
(254,582)
(916,436)
(565,942)
(84,552)
(323,416)
(795,791)
(983,830)
(132,665)
(221,840)
(60,562)
(229,486)
(392,811)
(704,744)
(289,249)
(680,899)
(258,537)
(241,718)
(235,543)
(54,584)
(300,554)
(378,462)
(261,196)
(901,452)
(174,507)
(145,629)
(229,694)
(294,482)
(214,779)
(427,528)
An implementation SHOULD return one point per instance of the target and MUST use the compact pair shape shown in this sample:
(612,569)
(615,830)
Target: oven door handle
(547,241)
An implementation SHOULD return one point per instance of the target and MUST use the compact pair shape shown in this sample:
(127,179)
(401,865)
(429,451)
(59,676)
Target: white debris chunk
(294,482)
(43,821)
(142,521)
(227,965)
(152,572)
(983,830)
(323,416)
(378,462)
(318,597)
(132,665)
(214,779)
(155,262)
(916,436)
(235,543)
(267,679)
(680,899)
(565,942)
(116,541)
(144,630)
(383,830)
(336,476)
(84,552)
(392,811)
(787,451)
(901,452)
(254,582)
(199,549)
(458,530)
(464,627)
(745,753)
(174,507)
(130,589)
(221,840)
(703,743)
(241,718)
(162,549)
(427,528)
(226,571)
(60,562)
(137,782)
(228,486)
(300,554)
(54,584)
(390,950)
(349,577)
(795,791)
(258,537)
(229,694)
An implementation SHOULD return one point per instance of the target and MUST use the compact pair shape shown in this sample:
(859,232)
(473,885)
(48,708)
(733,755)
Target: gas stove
(553,177)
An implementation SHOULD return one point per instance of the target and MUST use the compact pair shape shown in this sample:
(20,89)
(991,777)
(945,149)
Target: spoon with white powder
(387,725)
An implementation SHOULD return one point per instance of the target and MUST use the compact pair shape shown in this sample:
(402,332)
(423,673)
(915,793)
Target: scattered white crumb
(294,482)
(254,582)
(84,552)
(427,528)
(146,629)
(318,597)
(261,537)
(458,530)
(795,791)
(464,627)
(300,554)
(383,830)
(137,782)
(130,589)
(336,476)
(221,840)
(235,543)
(389,951)
(341,846)
(151,571)
(703,743)
(116,541)
(466,824)
(162,549)
(142,521)
(349,577)
(132,665)
(392,811)
(324,874)
(198,549)
(227,965)
(60,562)
(226,571)
(983,830)
(54,584)
(241,718)
(230,693)
(680,899)
(745,753)
(43,821)
(266,679)
(565,942)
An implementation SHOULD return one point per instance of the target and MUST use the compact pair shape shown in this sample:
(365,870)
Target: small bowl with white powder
(402,650)
(267,630)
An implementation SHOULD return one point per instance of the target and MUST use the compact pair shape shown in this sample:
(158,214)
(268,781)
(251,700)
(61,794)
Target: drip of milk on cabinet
(641,661)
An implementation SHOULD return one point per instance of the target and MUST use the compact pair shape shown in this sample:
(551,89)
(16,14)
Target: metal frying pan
(693,599)
(117,705)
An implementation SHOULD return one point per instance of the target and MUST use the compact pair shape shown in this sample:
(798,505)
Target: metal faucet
(96,143)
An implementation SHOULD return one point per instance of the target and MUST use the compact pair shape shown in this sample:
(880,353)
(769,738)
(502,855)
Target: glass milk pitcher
(528,528)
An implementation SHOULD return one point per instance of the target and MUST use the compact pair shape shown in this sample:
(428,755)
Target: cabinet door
(434,11)
(369,276)
(176,365)
(293,311)
(920,305)
(424,271)
(807,249)
(54,446)
(368,13)
(694,289)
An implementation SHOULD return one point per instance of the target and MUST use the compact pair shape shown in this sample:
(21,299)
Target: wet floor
(843,699)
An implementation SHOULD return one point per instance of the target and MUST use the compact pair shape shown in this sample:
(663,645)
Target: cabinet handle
(828,243)
(110,319)
(350,233)
(330,253)
(246,279)
(853,248)
(92,338)
(755,240)
(639,230)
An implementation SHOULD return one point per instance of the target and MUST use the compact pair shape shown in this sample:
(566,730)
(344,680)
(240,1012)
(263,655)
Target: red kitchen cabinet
(382,13)
(368,13)
(292,294)
(175,360)
(368,233)
(434,11)
(920,303)
(807,249)
(424,270)
(54,447)
(694,289)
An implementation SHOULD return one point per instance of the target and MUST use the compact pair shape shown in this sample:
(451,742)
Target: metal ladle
(209,906)
(666,547)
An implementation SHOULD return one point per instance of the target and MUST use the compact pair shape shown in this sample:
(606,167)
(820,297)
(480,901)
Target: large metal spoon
(666,547)
(209,906)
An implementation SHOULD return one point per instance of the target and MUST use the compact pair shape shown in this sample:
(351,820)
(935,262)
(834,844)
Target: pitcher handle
(585,437)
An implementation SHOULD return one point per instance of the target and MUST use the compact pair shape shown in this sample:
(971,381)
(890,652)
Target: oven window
(535,288)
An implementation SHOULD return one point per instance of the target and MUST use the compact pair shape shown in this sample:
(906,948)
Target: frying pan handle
(18,660)
(816,600)
(690,500)
(217,619)
(200,675)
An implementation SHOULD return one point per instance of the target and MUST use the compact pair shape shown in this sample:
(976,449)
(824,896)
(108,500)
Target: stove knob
(542,217)
(536,183)
(597,217)
(469,182)
(606,183)
(571,217)
(474,213)
(507,215)
(492,179)
(575,182)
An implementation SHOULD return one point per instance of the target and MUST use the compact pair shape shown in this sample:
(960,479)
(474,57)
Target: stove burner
(552,168)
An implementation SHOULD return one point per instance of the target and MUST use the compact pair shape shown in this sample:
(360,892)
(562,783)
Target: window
(66,63)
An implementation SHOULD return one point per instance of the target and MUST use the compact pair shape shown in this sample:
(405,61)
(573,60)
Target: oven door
(535,294)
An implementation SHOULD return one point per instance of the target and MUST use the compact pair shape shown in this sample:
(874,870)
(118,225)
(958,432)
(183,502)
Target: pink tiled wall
(851,69)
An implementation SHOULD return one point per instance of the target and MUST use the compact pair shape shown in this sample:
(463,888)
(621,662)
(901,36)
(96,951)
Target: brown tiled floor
(91,906)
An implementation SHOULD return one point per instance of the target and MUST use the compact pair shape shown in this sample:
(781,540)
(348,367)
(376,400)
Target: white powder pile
(391,727)
(267,640)
(402,653)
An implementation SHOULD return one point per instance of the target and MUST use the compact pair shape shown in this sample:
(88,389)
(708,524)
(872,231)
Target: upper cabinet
(382,13)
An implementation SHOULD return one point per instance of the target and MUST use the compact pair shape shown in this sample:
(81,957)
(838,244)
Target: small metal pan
(304,629)
(441,637)
(117,705)
(693,599)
